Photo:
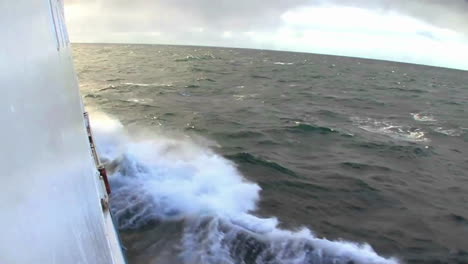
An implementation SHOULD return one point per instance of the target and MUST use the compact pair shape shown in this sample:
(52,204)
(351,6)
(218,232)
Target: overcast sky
(432,32)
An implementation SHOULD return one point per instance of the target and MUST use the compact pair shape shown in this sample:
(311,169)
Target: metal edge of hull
(50,193)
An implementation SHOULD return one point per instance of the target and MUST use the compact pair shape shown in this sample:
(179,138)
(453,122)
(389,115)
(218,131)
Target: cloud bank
(432,32)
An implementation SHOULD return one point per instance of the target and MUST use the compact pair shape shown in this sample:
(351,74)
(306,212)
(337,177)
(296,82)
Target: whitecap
(423,118)
(138,84)
(238,97)
(148,84)
(448,132)
(387,128)
(283,63)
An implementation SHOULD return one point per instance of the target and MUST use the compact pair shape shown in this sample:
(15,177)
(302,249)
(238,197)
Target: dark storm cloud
(251,15)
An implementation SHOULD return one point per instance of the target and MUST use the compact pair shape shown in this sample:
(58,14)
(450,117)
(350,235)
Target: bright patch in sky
(363,33)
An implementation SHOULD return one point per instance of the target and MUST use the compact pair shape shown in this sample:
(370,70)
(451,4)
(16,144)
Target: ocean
(221,155)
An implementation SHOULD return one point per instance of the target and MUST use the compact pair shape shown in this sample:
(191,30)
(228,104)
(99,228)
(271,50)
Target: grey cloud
(249,15)
(242,15)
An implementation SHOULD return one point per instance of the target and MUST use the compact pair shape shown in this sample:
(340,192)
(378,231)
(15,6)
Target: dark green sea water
(365,151)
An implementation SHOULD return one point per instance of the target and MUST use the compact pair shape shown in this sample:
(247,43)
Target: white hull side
(50,191)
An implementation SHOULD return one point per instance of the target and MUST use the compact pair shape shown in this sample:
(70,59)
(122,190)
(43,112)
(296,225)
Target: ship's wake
(165,180)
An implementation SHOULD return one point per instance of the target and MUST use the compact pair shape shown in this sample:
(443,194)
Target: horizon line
(274,50)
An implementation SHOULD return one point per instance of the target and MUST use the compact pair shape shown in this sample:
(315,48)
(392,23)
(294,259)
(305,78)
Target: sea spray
(166,179)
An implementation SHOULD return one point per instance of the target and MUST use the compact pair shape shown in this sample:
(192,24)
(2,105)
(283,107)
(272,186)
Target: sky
(430,32)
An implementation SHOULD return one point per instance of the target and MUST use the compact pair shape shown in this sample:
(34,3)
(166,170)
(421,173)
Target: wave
(257,76)
(206,79)
(198,69)
(303,127)
(387,128)
(408,151)
(363,166)
(453,132)
(148,84)
(422,117)
(245,157)
(283,63)
(173,180)
(449,132)
(196,58)
(114,80)
(138,84)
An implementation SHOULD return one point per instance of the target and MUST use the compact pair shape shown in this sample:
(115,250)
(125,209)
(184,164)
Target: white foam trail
(164,179)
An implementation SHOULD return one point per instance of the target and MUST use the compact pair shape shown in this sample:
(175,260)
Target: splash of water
(164,179)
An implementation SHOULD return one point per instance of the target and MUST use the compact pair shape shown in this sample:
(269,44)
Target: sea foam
(167,179)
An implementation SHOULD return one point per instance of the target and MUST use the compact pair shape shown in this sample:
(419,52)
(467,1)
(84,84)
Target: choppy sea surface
(222,155)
